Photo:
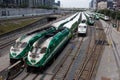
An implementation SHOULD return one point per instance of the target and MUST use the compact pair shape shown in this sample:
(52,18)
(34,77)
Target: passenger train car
(104,17)
(58,25)
(74,23)
(83,18)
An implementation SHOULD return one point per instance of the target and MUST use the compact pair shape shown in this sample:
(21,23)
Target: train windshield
(83,26)
(23,45)
(20,45)
(36,50)
(16,45)
(83,21)
(43,50)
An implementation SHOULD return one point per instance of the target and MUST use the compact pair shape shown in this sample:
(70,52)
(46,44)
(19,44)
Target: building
(57,4)
(102,5)
(49,3)
(36,3)
(110,4)
(117,4)
(26,3)
(93,4)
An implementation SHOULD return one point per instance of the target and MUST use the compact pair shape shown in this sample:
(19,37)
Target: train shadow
(82,35)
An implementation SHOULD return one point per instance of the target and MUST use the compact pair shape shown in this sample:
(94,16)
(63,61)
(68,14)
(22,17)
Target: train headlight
(14,54)
(33,61)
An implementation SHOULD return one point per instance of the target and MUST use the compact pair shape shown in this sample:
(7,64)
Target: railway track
(114,44)
(87,68)
(6,44)
(67,61)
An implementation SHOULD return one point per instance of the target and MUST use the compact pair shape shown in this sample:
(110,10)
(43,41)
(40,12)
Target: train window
(15,50)
(17,44)
(37,56)
(38,51)
(43,50)
(83,21)
(33,50)
(84,26)
(23,45)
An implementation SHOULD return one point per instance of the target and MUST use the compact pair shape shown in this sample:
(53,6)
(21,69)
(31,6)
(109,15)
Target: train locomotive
(42,53)
(23,44)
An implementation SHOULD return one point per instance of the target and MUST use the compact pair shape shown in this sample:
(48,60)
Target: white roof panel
(83,17)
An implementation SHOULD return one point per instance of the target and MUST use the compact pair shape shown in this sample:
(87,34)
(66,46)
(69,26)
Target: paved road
(109,64)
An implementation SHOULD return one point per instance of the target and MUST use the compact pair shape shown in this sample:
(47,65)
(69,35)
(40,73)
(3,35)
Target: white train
(82,29)
(83,18)
(106,18)
(60,24)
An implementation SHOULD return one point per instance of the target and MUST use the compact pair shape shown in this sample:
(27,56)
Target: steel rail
(63,61)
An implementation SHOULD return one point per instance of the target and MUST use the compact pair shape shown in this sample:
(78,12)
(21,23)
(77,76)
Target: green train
(24,43)
(90,19)
(59,25)
(96,16)
(43,50)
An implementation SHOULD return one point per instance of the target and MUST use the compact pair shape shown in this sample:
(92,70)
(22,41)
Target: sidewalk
(108,69)
(109,66)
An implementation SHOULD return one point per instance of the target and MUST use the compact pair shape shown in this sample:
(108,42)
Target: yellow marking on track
(110,43)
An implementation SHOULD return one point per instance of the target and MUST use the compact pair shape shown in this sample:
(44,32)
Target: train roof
(57,24)
(69,18)
(82,24)
(69,24)
(26,38)
(87,14)
(83,17)
(77,17)
(43,43)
